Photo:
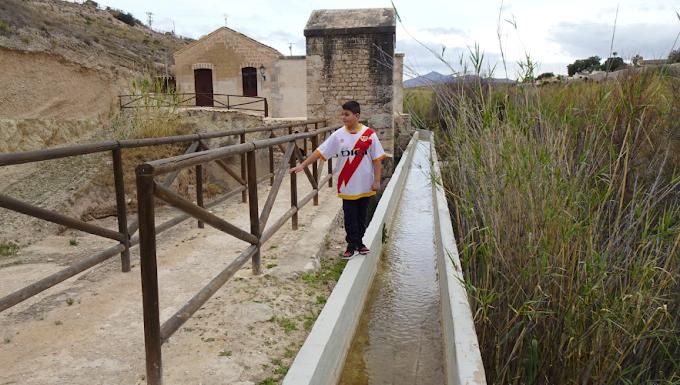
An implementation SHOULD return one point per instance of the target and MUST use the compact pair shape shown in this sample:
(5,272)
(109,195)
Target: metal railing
(148,190)
(230,102)
(125,232)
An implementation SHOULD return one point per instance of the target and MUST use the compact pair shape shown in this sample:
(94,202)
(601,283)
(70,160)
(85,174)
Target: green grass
(282,370)
(13,263)
(286,323)
(8,249)
(566,209)
(267,381)
(330,271)
(225,353)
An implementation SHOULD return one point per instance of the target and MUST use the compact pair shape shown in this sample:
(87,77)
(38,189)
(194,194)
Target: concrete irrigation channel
(400,314)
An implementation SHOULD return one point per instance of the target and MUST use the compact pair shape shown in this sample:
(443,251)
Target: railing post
(266,108)
(254,211)
(271,165)
(244,175)
(120,207)
(293,192)
(330,163)
(149,273)
(304,144)
(199,191)
(315,168)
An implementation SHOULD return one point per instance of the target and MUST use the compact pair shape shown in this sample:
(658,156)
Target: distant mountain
(431,78)
(437,78)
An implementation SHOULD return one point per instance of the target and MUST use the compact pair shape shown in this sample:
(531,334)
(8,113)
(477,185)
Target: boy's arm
(377,168)
(310,159)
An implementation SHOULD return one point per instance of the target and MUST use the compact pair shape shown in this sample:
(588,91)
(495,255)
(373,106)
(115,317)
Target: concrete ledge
(321,358)
(461,350)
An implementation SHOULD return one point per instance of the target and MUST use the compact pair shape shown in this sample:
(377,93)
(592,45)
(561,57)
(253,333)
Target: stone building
(350,56)
(226,62)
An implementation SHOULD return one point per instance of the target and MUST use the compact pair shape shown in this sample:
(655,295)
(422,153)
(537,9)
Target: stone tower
(350,56)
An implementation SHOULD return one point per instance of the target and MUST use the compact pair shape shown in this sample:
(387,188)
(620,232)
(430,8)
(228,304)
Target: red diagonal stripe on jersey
(351,165)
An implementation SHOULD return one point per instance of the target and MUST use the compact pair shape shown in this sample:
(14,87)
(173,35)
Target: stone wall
(350,56)
(289,88)
(398,83)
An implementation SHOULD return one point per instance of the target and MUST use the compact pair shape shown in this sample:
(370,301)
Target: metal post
(149,273)
(244,175)
(266,108)
(199,191)
(254,211)
(120,208)
(293,193)
(315,168)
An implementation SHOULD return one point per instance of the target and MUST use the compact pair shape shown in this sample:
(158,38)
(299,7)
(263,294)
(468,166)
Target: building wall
(289,87)
(226,52)
(352,67)
(398,83)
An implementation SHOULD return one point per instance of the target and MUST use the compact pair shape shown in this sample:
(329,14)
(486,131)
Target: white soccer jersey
(356,153)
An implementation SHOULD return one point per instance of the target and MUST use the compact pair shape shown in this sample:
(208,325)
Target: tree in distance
(590,64)
(545,75)
(612,64)
(674,56)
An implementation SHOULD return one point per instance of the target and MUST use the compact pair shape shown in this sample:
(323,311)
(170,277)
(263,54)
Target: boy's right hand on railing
(296,169)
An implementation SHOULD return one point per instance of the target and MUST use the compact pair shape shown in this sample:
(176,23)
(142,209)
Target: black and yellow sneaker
(351,252)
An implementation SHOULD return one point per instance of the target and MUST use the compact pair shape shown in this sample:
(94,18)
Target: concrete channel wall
(320,360)
(461,350)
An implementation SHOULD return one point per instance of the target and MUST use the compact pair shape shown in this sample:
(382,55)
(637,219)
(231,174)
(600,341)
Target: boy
(359,154)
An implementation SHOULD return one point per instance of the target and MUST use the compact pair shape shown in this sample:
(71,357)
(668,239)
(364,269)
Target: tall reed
(566,205)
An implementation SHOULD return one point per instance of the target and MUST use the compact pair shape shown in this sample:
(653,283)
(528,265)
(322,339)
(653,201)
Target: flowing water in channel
(399,338)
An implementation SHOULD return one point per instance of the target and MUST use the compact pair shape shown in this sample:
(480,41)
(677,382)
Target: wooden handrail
(83,149)
(148,190)
(124,233)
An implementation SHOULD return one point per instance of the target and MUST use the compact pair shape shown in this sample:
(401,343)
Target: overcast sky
(552,33)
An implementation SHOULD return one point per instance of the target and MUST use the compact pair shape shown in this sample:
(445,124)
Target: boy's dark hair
(352,106)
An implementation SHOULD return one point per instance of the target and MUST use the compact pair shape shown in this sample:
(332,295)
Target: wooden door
(249,75)
(204,87)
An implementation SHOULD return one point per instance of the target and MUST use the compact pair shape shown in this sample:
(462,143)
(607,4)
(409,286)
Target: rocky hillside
(63,60)
(85,33)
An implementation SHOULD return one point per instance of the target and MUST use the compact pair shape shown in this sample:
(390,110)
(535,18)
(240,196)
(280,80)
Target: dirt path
(89,329)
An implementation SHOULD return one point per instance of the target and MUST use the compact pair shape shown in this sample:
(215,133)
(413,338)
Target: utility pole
(173,28)
(290,47)
(149,16)
(225,19)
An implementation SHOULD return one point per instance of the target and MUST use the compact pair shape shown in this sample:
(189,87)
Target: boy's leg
(350,210)
(362,210)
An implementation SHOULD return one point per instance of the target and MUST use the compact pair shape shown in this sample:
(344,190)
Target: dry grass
(568,220)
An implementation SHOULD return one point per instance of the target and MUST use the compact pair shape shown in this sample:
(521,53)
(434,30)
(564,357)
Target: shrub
(146,40)
(3,26)
(126,18)
(156,41)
